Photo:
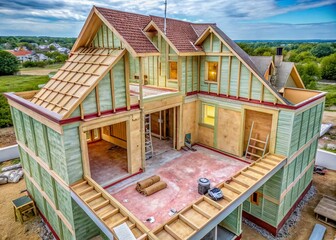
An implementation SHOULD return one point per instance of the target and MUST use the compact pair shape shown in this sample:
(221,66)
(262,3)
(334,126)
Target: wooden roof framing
(189,223)
(76,79)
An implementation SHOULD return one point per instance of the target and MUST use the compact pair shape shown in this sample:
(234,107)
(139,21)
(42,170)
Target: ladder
(252,148)
(148,137)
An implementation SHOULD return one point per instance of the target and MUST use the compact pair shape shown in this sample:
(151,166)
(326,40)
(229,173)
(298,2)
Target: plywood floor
(107,162)
(181,171)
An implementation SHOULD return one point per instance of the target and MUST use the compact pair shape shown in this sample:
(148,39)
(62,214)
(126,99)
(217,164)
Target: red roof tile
(182,34)
(20,52)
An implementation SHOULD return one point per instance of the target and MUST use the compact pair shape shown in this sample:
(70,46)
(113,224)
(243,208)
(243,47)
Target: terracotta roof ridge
(174,19)
(116,10)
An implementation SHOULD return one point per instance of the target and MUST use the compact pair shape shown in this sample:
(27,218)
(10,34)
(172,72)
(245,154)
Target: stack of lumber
(150,185)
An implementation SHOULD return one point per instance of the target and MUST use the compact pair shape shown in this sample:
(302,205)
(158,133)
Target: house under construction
(129,99)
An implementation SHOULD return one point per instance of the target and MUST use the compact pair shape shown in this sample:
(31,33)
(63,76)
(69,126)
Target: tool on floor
(187,142)
(215,194)
(148,137)
(203,185)
(150,219)
(255,146)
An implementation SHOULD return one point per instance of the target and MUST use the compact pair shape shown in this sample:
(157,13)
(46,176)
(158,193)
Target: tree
(328,67)
(309,73)
(9,63)
(322,50)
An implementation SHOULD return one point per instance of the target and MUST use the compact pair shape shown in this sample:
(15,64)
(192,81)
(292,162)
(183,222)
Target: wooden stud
(192,74)
(82,114)
(219,76)
(112,91)
(167,64)
(229,76)
(127,75)
(186,76)
(262,93)
(211,42)
(97,100)
(239,76)
(199,73)
(179,72)
(250,86)
(174,128)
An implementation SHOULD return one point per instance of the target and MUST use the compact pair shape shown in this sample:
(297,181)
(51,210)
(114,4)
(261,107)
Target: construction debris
(291,221)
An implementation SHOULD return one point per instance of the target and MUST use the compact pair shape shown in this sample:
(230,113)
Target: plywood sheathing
(76,79)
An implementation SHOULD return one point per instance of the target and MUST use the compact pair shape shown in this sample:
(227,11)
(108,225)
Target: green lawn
(331,93)
(17,83)
(51,66)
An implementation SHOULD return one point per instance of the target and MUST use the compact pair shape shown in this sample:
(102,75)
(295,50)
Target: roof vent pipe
(279,51)
(165,19)
(278,58)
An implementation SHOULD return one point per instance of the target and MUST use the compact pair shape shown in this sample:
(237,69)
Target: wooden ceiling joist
(191,221)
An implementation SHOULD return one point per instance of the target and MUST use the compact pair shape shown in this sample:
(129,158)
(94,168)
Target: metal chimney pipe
(165,19)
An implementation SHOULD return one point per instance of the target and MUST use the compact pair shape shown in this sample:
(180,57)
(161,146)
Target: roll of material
(147,182)
(154,188)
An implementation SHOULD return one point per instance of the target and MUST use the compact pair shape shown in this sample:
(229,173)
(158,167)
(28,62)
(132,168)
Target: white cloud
(65,17)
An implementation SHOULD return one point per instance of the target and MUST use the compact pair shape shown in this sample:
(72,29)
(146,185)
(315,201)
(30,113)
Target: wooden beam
(249,175)
(232,188)
(238,81)
(127,75)
(229,76)
(82,114)
(200,211)
(240,182)
(172,233)
(262,93)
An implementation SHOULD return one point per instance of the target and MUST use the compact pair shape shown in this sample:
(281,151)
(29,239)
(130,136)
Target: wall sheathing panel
(105,94)
(85,228)
(284,129)
(105,38)
(29,130)
(119,84)
(72,152)
(57,154)
(233,222)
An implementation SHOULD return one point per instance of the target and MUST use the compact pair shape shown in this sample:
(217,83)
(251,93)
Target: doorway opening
(107,150)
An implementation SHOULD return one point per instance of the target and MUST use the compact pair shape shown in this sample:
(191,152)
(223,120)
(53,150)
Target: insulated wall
(51,162)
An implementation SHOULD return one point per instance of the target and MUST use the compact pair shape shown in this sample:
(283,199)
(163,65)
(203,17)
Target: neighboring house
(131,95)
(43,47)
(41,57)
(22,55)
(63,50)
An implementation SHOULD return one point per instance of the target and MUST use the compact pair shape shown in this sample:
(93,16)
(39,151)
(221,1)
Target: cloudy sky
(240,19)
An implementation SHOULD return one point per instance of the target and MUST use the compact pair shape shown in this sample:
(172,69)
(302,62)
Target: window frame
(169,70)
(206,76)
(203,111)
(257,195)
